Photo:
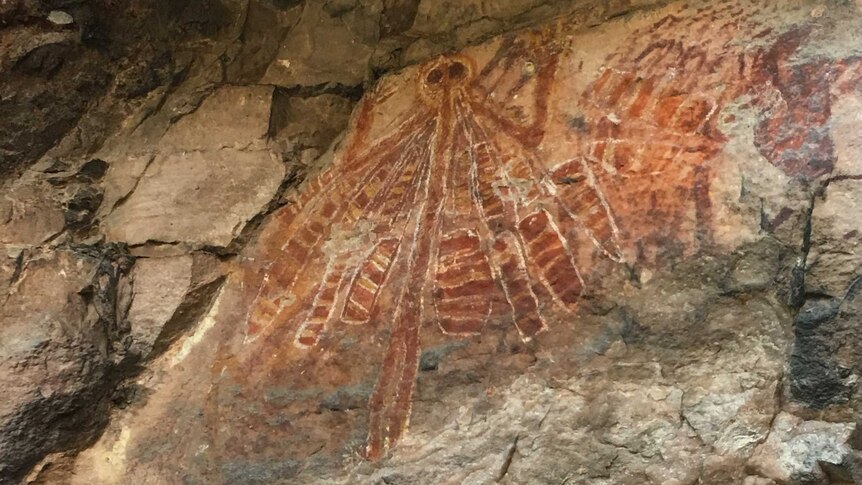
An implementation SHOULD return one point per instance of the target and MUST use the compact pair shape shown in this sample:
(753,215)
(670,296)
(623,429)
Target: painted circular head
(443,75)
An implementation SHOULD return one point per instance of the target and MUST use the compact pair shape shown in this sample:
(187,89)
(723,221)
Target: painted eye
(434,77)
(529,68)
(457,71)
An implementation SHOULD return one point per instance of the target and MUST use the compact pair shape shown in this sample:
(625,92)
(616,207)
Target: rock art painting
(494,187)
(451,219)
(497,188)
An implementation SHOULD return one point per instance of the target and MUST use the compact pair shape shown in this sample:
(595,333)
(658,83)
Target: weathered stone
(92,170)
(19,42)
(655,161)
(69,85)
(231,117)
(730,399)
(123,175)
(60,17)
(320,50)
(440,27)
(29,215)
(81,206)
(105,462)
(827,359)
(751,480)
(440,18)
(835,259)
(46,81)
(56,354)
(169,295)
(197,198)
(398,16)
(756,268)
(817,379)
(264,28)
(212,173)
(797,450)
(696,163)
(303,123)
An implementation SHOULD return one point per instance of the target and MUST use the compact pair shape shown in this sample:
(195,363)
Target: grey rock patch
(796,449)
(59,17)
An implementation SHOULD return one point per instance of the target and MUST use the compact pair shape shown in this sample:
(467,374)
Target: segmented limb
(337,201)
(528,246)
(588,210)
(391,400)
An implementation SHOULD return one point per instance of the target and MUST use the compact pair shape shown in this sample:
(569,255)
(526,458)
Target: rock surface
(805,451)
(709,357)
(169,295)
(200,189)
(70,70)
(196,196)
(59,347)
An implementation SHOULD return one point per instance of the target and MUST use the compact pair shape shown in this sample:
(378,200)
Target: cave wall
(290,242)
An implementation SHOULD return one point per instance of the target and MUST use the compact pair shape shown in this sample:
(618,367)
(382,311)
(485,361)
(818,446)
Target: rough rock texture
(282,241)
(60,342)
(169,295)
(197,189)
(77,67)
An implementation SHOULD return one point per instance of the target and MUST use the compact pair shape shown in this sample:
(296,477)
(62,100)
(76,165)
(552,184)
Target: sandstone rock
(54,468)
(212,173)
(309,123)
(669,367)
(18,43)
(751,480)
(438,27)
(731,398)
(230,117)
(47,79)
(169,295)
(60,17)
(69,85)
(720,344)
(265,25)
(836,242)
(797,450)
(29,215)
(9,267)
(106,461)
(197,198)
(848,140)
(438,18)
(57,334)
(123,175)
(398,16)
(826,363)
(755,268)
(320,50)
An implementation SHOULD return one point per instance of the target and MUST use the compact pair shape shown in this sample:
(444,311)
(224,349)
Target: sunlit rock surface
(199,190)
(563,256)
(618,246)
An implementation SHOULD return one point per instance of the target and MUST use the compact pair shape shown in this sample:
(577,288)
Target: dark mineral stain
(578,123)
(816,378)
(431,357)
(348,397)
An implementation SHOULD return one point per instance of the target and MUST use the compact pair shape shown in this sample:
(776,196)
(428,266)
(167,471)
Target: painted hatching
(480,187)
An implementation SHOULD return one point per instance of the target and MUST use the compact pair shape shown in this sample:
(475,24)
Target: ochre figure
(429,222)
(455,216)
